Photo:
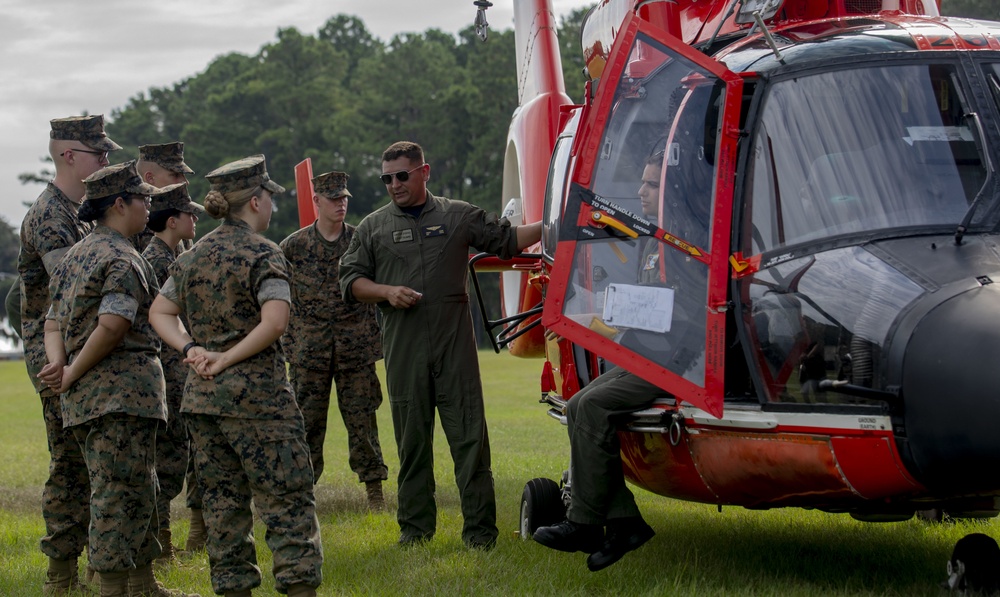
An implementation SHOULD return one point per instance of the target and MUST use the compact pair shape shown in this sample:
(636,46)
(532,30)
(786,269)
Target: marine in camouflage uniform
(172,218)
(246,427)
(114,405)
(410,257)
(161,165)
(328,340)
(78,147)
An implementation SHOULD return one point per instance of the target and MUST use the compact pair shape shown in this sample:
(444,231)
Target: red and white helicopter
(826,327)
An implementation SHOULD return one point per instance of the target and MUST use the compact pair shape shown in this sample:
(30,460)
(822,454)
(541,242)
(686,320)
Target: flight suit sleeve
(358,261)
(492,234)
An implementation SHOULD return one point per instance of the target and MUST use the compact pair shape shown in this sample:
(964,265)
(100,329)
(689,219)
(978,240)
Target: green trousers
(598,490)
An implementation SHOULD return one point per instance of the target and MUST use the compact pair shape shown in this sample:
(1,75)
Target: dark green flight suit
(430,351)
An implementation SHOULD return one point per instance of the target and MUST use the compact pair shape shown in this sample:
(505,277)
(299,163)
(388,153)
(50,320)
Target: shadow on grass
(792,552)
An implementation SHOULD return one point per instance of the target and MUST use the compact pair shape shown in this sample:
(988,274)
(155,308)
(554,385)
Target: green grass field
(697,550)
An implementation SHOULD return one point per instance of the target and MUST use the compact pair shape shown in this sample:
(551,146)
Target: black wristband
(188,347)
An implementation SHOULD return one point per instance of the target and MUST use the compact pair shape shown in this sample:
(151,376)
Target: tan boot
(93,578)
(376,502)
(301,590)
(197,536)
(168,552)
(114,584)
(142,583)
(61,577)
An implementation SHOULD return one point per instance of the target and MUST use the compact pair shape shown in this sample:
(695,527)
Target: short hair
(655,160)
(407,149)
(158,219)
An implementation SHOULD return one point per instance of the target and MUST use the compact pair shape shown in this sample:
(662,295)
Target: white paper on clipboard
(641,307)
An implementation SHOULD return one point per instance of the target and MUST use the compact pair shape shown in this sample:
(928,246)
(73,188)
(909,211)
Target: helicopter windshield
(863,149)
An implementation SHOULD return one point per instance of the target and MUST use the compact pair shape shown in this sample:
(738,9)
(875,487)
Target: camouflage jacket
(217,285)
(160,257)
(49,229)
(104,274)
(325,330)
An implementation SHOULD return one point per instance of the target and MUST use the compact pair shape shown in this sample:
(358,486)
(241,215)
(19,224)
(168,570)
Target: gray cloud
(57,58)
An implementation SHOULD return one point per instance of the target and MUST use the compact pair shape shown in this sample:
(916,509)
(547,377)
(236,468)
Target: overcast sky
(57,59)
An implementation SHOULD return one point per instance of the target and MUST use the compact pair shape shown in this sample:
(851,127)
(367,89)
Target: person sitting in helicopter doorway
(603,519)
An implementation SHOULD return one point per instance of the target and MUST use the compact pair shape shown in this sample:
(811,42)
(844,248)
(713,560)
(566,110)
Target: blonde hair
(224,205)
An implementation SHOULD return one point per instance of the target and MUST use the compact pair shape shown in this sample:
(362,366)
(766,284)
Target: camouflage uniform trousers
(172,450)
(119,450)
(193,494)
(66,496)
(359,395)
(268,461)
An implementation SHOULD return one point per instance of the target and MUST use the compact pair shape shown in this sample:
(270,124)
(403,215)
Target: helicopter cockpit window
(823,317)
(555,193)
(654,172)
(859,150)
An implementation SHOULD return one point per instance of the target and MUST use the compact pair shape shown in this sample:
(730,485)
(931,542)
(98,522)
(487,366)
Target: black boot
(624,535)
(571,536)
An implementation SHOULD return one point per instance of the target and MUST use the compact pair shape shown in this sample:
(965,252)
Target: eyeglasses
(101,155)
(401,176)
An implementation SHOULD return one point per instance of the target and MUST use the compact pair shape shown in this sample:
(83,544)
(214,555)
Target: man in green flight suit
(410,258)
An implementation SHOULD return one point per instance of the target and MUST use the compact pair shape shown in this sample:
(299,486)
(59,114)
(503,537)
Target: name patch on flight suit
(435,230)
(402,236)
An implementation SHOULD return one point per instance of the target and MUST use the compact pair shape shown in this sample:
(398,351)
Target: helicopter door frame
(705,389)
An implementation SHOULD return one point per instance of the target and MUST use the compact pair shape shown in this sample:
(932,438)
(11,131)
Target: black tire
(541,505)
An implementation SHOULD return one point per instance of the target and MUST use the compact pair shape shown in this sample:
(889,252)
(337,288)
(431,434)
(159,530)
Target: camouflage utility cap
(175,196)
(116,180)
(88,130)
(331,185)
(167,155)
(248,173)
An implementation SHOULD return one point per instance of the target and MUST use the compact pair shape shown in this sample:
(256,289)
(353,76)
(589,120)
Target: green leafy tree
(571,52)
(10,245)
(976,9)
(348,34)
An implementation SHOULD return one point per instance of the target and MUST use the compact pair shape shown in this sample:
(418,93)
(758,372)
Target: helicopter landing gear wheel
(541,505)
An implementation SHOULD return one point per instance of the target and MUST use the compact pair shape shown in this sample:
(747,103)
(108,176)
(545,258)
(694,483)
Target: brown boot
(114,584)
(141,583)
(168,552)
(93,578)
(197,535)
(61,577)
(301,590)
(376,502)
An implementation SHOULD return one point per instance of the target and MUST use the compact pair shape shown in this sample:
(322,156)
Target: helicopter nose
(951,392)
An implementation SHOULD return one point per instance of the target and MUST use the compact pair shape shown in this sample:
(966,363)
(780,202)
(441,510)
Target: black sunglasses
(401,176)
(103,154)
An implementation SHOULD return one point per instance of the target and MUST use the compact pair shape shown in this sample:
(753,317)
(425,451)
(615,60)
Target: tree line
(340,97)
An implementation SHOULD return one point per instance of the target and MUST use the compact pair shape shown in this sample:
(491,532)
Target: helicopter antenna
(729,13)
(482,27)
(767,36)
